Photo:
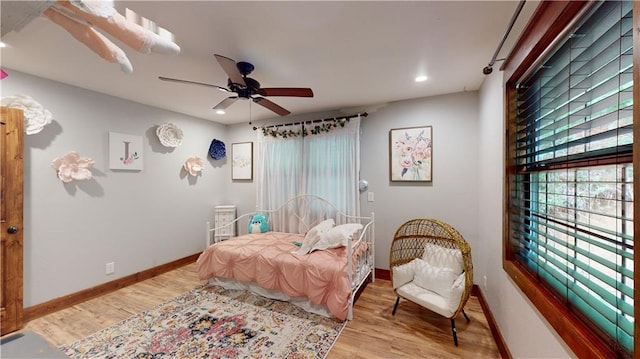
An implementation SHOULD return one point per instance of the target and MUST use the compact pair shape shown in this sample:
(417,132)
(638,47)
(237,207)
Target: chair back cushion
(435,279)
(442,257)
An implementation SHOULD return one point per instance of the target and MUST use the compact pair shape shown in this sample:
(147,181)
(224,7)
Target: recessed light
(421,78)
(220,112)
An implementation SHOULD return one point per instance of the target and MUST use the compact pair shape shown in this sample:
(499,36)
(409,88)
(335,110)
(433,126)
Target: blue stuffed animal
(258,223)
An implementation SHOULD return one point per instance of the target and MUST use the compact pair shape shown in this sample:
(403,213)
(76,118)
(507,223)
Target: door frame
(11,215)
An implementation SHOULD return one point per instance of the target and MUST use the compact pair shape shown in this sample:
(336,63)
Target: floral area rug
(212,322)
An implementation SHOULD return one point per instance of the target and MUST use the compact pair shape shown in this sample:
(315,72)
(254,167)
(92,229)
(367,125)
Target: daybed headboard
(297,215)
(301,213)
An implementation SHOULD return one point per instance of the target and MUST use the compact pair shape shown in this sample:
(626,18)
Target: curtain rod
(489,68)
(364,114)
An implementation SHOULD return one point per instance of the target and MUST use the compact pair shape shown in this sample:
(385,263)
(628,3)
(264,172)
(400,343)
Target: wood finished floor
(373,333)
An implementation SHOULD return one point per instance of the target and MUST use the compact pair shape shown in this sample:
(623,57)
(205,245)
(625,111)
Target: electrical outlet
(370,197)
(485,282)
(110,268)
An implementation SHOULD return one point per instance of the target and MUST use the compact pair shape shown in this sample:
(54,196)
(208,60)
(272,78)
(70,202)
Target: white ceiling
(354,55)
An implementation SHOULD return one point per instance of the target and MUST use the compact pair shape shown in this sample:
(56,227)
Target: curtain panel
(325,164)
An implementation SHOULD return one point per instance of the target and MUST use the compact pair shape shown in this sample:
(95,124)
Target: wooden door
(11,171)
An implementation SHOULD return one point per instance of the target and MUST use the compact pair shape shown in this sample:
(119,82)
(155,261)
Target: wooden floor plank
(413,332)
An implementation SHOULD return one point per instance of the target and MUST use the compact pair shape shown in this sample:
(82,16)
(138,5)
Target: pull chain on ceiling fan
(250,114)
(245,87)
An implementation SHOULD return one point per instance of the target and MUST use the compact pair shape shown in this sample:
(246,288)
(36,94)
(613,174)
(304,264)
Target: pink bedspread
(266,259)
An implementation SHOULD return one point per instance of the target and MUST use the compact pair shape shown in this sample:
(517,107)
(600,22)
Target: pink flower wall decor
(193,165)
(73,167)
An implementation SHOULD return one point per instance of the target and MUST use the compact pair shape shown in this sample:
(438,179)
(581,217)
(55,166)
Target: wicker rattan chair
(442,246)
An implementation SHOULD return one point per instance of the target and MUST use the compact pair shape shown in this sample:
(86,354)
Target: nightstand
(223,215)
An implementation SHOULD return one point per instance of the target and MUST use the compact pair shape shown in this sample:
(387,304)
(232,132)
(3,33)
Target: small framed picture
(125,152)
(410,154)
(242,161)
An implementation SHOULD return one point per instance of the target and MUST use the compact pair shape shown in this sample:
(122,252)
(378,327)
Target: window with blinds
(571,196)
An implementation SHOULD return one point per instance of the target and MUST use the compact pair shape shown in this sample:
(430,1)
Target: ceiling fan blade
(270,105)
(231,68)
(286,91)
(226,103)
(193,83)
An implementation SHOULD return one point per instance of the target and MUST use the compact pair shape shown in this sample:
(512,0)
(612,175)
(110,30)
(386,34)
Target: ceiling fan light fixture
(246,88)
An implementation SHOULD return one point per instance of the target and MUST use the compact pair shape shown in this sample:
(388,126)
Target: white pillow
(313,235)
(404,273)
(442,257)
(324,226)
(456,291)
(336,237)
(439,280)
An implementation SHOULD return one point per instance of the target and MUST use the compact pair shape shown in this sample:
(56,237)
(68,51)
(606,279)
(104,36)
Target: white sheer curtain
(332,166)
(279,172)
(326,164)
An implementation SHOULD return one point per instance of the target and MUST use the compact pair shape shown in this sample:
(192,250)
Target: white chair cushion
(439,280)
(441,257)
(404,273)
(426,298)
(456,291)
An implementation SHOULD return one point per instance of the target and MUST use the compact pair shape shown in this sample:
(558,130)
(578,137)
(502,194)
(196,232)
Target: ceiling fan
(247,88)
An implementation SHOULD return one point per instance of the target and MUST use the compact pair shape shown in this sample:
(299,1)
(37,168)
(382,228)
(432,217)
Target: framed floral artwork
(410,154)
(242,161)
(125,152)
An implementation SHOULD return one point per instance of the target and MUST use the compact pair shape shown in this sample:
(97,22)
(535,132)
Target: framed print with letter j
(125,152)
(410,154)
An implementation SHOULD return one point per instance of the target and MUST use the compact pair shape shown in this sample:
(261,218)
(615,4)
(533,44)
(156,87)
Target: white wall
(136,219)
(527,333)
(450,196)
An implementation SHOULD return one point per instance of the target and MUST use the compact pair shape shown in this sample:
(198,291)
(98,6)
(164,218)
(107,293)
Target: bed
(311,254)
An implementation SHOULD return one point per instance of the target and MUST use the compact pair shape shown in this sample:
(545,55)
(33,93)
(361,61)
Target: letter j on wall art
(125,152)
(410,154)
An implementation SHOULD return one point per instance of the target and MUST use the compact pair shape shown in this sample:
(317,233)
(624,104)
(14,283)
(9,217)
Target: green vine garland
(325,127)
